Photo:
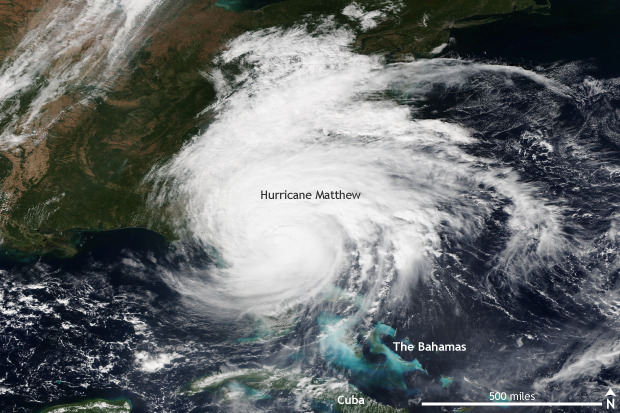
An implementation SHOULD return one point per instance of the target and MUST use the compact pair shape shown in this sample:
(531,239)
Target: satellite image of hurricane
(381,206)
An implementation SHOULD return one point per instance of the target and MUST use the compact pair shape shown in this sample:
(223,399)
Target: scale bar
(495,404)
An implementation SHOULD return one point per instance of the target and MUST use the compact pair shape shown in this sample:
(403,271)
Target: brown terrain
(86,170)
(17,18)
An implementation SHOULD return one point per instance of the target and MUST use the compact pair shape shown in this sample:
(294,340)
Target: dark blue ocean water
(74,329)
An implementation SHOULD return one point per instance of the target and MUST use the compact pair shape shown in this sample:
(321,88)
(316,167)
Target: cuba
(350,400)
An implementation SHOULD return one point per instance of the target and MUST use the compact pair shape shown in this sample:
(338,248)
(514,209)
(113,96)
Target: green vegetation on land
(258,383)
(98,154)
(92,406)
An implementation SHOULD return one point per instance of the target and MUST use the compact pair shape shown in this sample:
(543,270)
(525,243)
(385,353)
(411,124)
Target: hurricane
(307,218)
(308,115)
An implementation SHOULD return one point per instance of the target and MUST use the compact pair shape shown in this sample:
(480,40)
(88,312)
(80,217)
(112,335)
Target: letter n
(611,403)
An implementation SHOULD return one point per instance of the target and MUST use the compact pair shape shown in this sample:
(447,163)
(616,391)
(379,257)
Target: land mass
(87,171)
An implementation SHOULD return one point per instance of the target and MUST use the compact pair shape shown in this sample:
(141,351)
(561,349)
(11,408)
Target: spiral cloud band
(308,115)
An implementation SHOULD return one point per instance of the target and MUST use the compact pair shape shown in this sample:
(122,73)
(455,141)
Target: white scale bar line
(494,404)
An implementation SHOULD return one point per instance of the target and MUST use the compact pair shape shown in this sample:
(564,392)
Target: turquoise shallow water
(342,352)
